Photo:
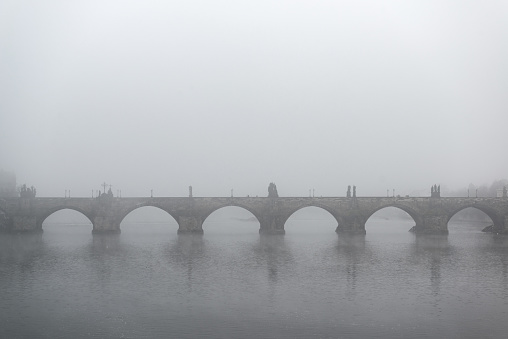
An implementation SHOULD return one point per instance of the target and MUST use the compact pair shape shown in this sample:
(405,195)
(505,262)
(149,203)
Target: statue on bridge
(354,191)
(107,196)
(26,192)
(435,191)
(348,193)
(272,191)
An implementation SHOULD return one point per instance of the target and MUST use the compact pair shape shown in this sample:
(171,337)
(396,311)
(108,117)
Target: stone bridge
(431,214)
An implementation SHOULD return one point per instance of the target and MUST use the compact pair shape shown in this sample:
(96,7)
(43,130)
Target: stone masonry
(431,215)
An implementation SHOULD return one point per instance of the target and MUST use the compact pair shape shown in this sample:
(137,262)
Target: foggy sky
(235,94)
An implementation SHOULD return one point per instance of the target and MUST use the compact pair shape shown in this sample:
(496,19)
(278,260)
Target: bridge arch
(128,211)
(412,213)
(491,213)
(330,211)
(206,216)
(41,219)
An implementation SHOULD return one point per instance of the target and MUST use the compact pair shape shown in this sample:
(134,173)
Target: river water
(148,282)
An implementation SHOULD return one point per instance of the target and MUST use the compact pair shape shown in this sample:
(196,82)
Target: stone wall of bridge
(431,215)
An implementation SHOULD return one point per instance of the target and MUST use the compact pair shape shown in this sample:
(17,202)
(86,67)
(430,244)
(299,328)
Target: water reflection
(20,248)
(432,250)
(500,243)
(300,285)
(352,249)
(186,247)
(20,253)
(494,249)
(272,251)
(105,244)
(104,253)
(188,251)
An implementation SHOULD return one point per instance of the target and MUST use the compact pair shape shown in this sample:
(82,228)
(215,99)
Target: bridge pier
(500,225)
(190,224)
(23,218)
(105,225)
(24,223)
(505,225)
(432,224)
(272,225)
(351,225)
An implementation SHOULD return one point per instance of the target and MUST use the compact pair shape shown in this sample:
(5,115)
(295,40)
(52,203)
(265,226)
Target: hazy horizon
(228,95)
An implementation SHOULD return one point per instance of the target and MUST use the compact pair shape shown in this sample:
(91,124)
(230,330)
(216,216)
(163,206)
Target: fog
(227,95)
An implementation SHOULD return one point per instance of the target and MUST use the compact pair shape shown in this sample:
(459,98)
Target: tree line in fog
(485,190)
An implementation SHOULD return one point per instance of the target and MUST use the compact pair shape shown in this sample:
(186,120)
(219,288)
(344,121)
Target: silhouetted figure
(354,191)
(272,191)
(348,194)
(190,191)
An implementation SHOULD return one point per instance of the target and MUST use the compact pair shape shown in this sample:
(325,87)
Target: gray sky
(235,94)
